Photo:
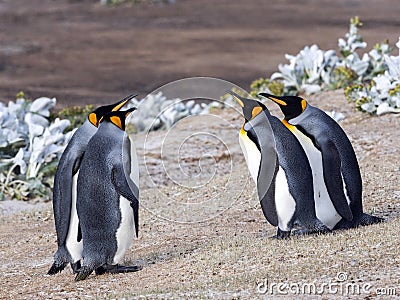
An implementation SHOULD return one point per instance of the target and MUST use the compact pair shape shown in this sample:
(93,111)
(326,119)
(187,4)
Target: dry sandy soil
(230,255)
(82,52)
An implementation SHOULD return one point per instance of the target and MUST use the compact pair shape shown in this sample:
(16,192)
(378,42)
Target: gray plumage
(69,240)
(291,158)
(67,167)
(280,150)
(334,160)
(339,160)
(103,179)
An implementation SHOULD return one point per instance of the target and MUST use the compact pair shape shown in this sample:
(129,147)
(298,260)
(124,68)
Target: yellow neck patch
(256,110)
(116,121)
(242,131)
(303,104)
(93,119)
(289,126)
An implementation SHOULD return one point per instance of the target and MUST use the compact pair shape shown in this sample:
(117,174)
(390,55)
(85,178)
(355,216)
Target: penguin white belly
(284,202)
(74,247)
(126,229)
(324,208)
(251,154)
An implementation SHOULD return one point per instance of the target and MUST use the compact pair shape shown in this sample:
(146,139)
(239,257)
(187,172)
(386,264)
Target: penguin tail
(367,219)
(56,268)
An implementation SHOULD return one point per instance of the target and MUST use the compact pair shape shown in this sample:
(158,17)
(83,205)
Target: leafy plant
(77,115)
(157,112)
(368,80)
(30,145)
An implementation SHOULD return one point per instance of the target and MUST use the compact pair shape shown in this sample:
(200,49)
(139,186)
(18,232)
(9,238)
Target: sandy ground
(82,52)
(231,255)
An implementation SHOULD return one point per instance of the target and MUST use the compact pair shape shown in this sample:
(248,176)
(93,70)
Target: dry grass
(226,257)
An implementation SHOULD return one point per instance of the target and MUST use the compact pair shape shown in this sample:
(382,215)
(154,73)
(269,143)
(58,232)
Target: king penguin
(280,169)
(69,239)
(107,197)
(336,173)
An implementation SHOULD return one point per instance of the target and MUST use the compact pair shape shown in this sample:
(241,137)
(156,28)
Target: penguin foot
(316,228)
(56,268)
(281,235)
(75,267)
(115,269)
(83,273)
(367,219)
(306,231)
(364,220)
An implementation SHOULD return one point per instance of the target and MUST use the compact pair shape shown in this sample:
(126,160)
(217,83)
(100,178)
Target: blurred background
(84,52)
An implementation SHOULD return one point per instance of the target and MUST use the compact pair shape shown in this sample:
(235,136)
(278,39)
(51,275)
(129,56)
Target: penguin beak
(251,108)
(128,111)
(237,98)
(276,99)
(117,106)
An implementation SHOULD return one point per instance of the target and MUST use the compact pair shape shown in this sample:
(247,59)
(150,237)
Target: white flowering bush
(30,146)
(382,94)
(157,112)
(370,80)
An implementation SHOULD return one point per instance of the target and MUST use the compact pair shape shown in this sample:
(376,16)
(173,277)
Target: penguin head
(251,108)
(117,117)
(291,106)
(96,115)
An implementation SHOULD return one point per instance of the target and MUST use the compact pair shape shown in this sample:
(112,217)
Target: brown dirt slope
(81,52)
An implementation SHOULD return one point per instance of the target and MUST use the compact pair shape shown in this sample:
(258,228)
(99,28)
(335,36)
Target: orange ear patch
(256,110)
(93,119)
(280,102)
(116,121)
(303,104)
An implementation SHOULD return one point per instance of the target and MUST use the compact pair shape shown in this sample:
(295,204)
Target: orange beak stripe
(280,102)
(118,107)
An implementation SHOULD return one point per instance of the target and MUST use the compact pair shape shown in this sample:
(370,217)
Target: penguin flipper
(333,177)
(62,198)
(122,187)
(267,196)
